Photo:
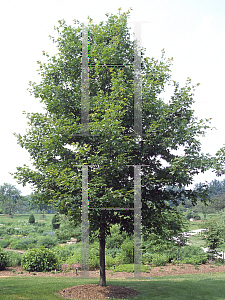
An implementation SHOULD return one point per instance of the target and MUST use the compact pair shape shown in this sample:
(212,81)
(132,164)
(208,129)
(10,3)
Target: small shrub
(193,260)
(55,222)
(197,217)
(75,258)
(126,255)
(113,252)
(93,262)
(146,258)
(11,230)
(23,243)
(14,258)
(4,243)
(39,260)
(31,219)
(2,230)
(219,262)
(3,259)
(189,215)
(190,250)
(47,241)
(63,252)
(125,268)
(159,259)
(116,239)
(63,235)
(109,261)
(93,258)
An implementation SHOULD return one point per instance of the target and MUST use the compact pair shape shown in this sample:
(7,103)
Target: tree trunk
(102,261)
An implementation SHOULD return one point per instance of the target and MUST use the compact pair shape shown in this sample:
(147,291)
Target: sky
(190,31)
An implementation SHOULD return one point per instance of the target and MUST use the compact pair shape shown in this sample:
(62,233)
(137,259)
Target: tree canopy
(10,199)
(168,151)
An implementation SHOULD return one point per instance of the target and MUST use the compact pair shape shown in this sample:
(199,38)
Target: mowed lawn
(200,286)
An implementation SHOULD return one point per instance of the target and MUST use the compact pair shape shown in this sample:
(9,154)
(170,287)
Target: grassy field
(5,219)
(202,287)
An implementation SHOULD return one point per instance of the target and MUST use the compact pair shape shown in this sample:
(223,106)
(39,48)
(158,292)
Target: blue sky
(191,31)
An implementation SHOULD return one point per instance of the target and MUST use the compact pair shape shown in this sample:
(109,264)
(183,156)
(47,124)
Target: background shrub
(4,243)
(31,219)
(3,259)
(63,235)
(159,259)
(126,255)
(75,258)
(93,257)
(47,241)
(146,258)
(39,260)
(55,222)
(109,261)
(189,251)
(63,252)
(23,243)
(189,215)
(116,239)
(125,268)
(14,258)
(113,252)
(194,260)
(197,217)
(2,231)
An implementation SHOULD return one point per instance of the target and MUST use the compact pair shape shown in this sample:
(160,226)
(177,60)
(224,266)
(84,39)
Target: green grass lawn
(5,219)
(196,225)
(196,286)
(195,240)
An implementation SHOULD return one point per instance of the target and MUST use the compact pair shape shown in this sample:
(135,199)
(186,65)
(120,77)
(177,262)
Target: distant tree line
(12,202)
(216,202)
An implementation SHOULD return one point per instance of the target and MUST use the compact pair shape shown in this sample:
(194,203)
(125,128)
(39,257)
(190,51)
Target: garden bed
(169,269)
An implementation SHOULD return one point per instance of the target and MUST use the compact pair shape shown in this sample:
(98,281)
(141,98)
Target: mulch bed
(94,291)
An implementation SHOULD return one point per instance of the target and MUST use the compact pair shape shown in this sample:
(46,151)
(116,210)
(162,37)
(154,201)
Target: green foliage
(31,219)
(75,258)
(116,239)
(159,259)
(171,126)
(10,199)
(39,260)
(214,234)
(197,217)
(47,241)
(109,261)
(193,260)
(126,254)
(11,230)
(189,215)
(63,252)
(113,252)
(14,258)
(191,254)
(23,242)
(219,262)
(124,268)
(55,222)
(68,230)
(3,259)
(4,243)
(93,256)
(156,244)
(58,147)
